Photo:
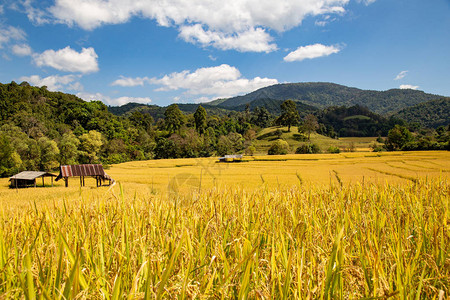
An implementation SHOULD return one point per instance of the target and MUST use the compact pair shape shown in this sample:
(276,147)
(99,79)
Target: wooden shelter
(92,170)
(231,158)
(28,179)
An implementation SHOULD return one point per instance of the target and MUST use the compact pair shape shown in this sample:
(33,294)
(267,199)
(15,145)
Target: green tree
(289,114)
(308,149)
(91,143)
(279,147)
(237,141)
(200,119)
(398,137)
(9,159)
(174,118)
(143,120)
(261,117)
(49,154)
(309,125)
(68,149)
(224,146)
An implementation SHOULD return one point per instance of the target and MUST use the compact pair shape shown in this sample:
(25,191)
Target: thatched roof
(31,175)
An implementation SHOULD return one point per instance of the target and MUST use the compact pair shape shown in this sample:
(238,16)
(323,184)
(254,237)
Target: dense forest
(40,129)
(431,114)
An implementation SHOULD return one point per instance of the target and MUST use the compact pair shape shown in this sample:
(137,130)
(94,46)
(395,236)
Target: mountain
(432,113)
(323,94)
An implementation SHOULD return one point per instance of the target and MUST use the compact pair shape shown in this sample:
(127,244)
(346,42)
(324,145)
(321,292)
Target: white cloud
(9,34)
(128,82)
(221,24)
(220,81)
(69,60)
(408,86)
(324,21)
(113,101)
(35,15)
(1,9)
(252,40)
(55,82)
(366,2)
(22,50)
(401,75)
(310,52)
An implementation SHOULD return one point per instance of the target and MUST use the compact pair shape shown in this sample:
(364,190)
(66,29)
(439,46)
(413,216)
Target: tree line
(40,130)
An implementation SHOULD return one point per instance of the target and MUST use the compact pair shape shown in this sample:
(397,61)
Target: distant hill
(323,94)
(354,121)
(157,112)
(432,113)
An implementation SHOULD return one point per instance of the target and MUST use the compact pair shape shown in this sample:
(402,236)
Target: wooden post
(35,182)
(52,180)
(66,179)
(83,181)
(43,184)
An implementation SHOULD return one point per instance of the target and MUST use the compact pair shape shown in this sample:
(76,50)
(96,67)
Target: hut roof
(31,175)
(82,170)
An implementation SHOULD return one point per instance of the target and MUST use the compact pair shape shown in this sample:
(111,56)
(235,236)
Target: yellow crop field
(327,226)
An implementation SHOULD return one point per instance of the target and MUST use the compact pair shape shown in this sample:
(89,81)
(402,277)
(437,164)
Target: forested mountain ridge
(157,112)
(430,114)
(323,94)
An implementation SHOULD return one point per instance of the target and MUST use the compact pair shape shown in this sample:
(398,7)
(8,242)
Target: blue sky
(167,51)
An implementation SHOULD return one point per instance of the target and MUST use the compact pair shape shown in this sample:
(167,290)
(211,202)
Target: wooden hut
(28,179)
(231,158)
(92,170)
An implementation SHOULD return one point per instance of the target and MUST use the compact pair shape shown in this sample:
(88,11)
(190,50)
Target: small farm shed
(90,170)
(28,178)
(231,158)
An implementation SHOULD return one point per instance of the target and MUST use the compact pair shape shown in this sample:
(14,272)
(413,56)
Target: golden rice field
(337,226)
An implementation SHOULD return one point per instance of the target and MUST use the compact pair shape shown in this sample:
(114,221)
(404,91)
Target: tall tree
(309,125)
(200,119)
(68,149)
(261,117)
(7,165)
(49,154)
(91,143)
(289,114)
(174,118)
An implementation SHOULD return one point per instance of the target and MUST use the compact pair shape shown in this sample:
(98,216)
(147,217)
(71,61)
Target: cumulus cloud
(401,75)
(9,34)
(252,40)
(221,24)
(129,82)
(55,82)
(112,101)
(69,60)
(310,52)
(409,86)
(220,81)
(22,50)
